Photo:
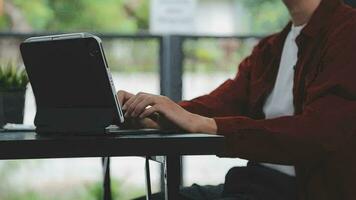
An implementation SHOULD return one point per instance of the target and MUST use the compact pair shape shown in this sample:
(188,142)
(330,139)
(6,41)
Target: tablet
(72,83)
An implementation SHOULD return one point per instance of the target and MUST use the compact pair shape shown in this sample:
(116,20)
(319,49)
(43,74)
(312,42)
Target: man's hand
(123,96)
(144,105)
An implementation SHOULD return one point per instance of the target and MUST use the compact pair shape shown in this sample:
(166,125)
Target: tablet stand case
(68,100)
(73,120)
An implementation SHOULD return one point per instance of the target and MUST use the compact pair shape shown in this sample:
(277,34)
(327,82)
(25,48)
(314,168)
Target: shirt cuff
(234,125)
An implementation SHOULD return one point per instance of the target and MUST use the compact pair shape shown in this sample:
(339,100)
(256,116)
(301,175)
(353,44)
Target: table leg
(106,180)
(148,179)
(172,177)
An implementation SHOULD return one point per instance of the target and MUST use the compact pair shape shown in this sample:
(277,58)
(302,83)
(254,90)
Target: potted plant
(13,83)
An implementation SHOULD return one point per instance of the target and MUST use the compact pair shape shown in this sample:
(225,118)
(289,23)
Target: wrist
(203,124)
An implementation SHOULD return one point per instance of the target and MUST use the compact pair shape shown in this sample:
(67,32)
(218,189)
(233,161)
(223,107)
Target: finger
(129,102)
(123,96)
(148,112)
(120,96)
(149,123)
(127,105)
(142,105)
(131,107)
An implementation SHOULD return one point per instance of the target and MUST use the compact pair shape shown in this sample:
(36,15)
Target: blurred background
(218,35)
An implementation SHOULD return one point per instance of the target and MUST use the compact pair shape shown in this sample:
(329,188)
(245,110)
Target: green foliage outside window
(128,16)
(267,16)
(81,15)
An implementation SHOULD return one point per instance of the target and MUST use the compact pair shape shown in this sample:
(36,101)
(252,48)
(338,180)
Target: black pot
(12,105)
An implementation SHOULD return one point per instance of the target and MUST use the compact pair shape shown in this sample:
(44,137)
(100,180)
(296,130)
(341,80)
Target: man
(293,102)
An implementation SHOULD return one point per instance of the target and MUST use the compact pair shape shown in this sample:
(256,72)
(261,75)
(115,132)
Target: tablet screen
(68,74)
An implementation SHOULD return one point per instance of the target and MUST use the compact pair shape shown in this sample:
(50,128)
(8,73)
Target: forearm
(229,99)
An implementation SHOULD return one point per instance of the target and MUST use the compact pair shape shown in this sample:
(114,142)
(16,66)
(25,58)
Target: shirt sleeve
(327,123)
(230,98)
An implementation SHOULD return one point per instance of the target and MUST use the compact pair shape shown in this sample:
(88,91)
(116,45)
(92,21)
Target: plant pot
(12,105)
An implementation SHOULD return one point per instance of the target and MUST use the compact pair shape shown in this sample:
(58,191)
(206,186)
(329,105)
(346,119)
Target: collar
(319,20)
(278,41)
(321,17)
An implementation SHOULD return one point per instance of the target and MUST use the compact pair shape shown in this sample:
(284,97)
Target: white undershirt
(280,101)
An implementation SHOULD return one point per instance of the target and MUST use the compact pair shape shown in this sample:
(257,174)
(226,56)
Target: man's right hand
(123,96)
(149,122)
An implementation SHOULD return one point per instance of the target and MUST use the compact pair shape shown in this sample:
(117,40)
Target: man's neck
(301,10)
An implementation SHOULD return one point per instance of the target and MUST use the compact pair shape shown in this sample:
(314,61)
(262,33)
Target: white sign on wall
(172,16)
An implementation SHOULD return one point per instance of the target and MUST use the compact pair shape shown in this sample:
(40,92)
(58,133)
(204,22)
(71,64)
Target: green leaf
(12,77)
